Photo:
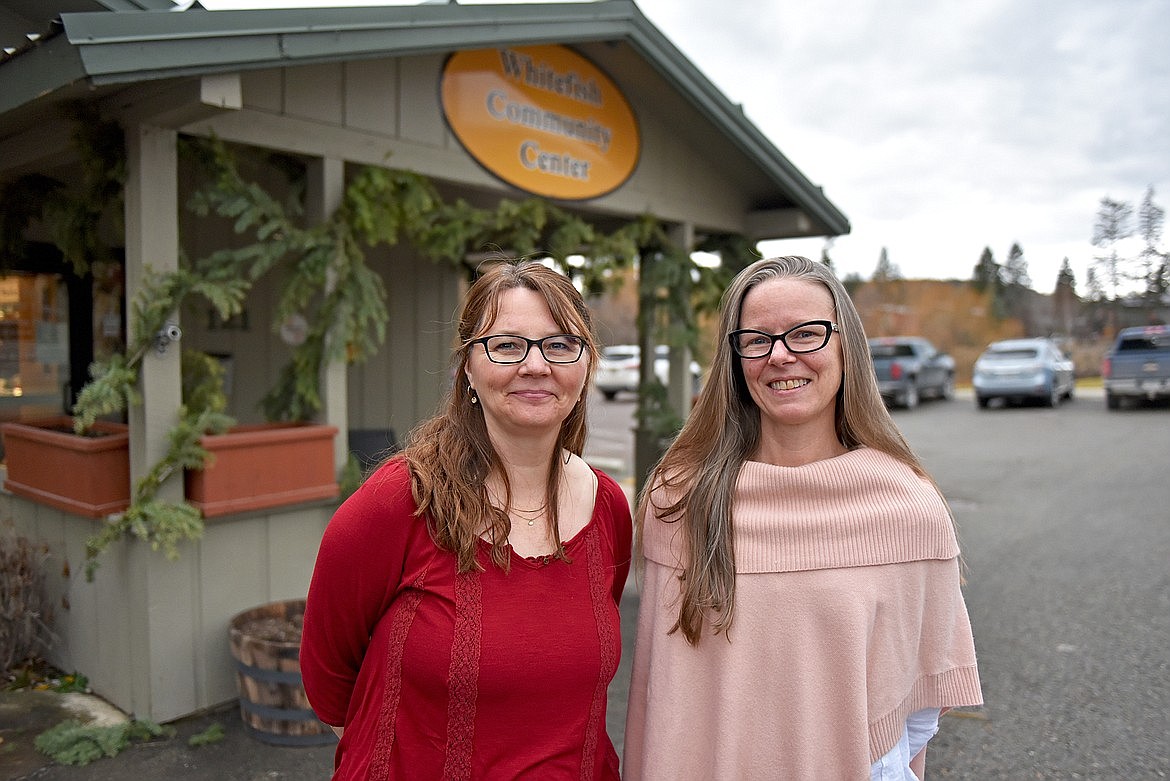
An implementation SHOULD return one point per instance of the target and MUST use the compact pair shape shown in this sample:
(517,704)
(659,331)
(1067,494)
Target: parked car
(618,366)
(1018,370)
(910,368)
(1137,366)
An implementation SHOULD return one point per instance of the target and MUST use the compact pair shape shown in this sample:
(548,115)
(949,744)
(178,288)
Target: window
(53,325)
(34,345)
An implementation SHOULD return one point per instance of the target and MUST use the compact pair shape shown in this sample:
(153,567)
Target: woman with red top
(801,616)
(462,620)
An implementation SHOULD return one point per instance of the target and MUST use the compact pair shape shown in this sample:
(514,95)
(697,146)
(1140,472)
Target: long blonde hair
(701,467)
(451,455)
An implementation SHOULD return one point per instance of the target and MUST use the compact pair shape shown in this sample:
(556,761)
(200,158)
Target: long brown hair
(451,455)
(700,468)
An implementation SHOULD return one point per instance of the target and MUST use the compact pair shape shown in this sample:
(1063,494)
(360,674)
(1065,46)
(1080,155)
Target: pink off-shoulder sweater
(848,617)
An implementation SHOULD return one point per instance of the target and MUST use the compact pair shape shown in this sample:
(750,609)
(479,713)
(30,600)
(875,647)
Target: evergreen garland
(325,276)
(73,743)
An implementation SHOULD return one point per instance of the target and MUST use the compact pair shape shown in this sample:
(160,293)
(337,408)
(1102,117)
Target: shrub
(24,609)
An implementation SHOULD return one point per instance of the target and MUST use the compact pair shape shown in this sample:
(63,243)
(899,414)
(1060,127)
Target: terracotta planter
(85,475)
(262,466)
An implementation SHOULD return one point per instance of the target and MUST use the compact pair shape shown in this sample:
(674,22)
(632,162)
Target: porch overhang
(100,50)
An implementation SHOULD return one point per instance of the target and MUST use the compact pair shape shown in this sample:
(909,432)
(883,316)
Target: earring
(474,396)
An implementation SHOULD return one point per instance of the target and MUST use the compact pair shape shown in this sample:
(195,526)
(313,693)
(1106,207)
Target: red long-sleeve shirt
(482,675)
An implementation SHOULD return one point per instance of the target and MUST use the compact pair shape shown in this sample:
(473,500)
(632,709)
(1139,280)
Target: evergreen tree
(886,271)
(1065,279)
(1151,217)
(1112,226)
(987,273)
(1015,286)
(1093,286)
(1099,310)
(1015,270)
(828,261)
(1159,285)
(1064,298)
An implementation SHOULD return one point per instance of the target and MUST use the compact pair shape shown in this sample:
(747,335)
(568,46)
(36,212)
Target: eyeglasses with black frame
(510,348)
(804,338)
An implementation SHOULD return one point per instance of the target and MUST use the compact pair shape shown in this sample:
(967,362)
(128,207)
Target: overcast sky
(940,127)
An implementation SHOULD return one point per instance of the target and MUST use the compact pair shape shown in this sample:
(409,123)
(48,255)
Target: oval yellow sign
(542,118)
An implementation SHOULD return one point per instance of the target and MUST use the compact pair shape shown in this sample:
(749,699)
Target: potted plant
(81,464)
(255,467)
(86,475)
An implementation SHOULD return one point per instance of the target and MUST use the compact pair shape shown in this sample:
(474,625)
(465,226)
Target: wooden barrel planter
(266,647)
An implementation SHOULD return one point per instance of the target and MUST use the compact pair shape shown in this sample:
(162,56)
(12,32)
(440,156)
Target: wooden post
(326,189)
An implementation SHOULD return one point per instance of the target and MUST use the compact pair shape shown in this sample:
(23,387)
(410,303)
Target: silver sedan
(1018,370)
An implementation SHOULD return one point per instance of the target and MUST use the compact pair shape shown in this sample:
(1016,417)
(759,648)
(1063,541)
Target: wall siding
(371,96)
(316,93)
(404,382)
(152,634)
(387,112)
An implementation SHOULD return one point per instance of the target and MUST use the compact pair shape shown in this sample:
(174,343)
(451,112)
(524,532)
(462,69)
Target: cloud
(942,128)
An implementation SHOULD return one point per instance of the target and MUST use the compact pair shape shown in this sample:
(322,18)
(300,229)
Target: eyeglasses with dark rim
(804,338)
(510,348)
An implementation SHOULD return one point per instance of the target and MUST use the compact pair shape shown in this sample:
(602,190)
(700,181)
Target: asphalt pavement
(236,757)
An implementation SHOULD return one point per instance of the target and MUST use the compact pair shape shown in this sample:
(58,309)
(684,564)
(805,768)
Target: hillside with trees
(1127,284)
(956,316)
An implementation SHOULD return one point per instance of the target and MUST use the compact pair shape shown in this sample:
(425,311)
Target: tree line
(1127,282)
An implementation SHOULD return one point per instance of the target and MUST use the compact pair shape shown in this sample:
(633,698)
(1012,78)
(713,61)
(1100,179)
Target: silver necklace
(523,514)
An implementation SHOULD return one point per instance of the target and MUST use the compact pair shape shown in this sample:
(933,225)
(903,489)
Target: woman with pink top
(801,609)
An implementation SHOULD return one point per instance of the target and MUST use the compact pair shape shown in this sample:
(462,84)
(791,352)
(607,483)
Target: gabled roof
(36,17)
(135,45)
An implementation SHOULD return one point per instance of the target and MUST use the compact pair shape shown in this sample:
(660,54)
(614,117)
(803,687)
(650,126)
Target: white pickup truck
(1137,366)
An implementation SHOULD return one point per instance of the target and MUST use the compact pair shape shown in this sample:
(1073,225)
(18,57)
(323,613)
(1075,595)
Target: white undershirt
(895,766)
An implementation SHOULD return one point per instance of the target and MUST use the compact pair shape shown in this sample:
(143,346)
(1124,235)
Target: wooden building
(587,105)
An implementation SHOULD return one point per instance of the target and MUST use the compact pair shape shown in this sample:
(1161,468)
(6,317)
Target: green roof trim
(137,5)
